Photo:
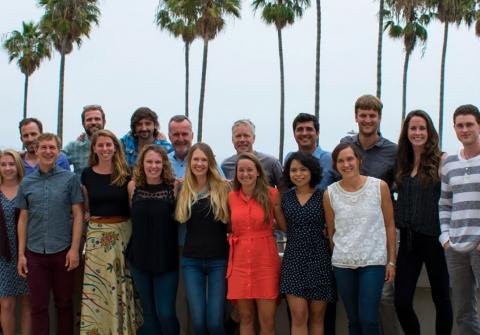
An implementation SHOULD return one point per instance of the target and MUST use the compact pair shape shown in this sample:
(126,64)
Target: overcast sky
(128,62)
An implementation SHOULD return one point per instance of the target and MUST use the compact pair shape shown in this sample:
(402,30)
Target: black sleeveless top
(153,245)
(105,199)
(417,207)
(206,237)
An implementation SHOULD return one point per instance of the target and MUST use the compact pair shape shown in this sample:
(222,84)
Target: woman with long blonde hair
(202,206)
(11,284)
(254,265)
(108,305)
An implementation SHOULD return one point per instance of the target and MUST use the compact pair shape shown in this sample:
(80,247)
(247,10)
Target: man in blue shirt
(144,130)
(30,129)
(306,129)
(49,230)
(180,134)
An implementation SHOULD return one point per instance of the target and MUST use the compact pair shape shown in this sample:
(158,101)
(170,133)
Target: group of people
(169,235)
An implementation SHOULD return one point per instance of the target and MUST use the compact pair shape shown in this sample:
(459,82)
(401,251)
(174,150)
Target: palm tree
(179,18)
(280,13)
(66,22)
(210,22)
(415,18)
(450,11)
(381,15)
(317,59)
(29,47)
(477,23)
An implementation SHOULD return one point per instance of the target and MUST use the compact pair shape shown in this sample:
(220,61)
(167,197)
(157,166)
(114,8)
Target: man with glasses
(78,151)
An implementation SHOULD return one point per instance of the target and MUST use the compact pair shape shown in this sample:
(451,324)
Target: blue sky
(128,62)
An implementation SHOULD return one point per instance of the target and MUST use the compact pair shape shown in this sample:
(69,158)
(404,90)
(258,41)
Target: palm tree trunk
(442,83)
(282,96)
(380,48)
(60,93)
(317,60)
(202,90)
(187,74)
(404,87)
(25,95)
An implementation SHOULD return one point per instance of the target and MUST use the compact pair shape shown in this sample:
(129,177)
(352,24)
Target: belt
(109,219)
(233,239)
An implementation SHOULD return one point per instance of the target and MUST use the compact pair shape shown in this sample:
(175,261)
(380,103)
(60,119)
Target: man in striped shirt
(460,218)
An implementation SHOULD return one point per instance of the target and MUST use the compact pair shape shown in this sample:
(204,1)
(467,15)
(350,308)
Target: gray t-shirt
(270,164)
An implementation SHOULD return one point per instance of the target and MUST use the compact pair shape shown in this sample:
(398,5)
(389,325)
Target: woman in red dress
(254,265)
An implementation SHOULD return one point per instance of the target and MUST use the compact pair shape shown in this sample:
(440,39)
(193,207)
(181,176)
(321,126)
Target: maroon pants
(48,272)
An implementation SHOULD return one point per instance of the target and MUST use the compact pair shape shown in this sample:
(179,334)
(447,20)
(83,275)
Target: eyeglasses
(92,107)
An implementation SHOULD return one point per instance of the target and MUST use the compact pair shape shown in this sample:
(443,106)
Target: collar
(49,173)
(380,142)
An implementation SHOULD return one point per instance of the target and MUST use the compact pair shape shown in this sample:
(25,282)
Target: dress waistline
(234,239)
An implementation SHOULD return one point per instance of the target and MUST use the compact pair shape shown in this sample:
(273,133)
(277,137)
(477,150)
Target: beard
(90,130)
(30,147)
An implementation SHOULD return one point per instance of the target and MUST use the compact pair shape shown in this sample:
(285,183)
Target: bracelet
(392,264)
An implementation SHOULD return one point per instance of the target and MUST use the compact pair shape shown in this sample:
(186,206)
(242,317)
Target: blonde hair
(261,193)
(139,171)
(218,188)
(18,163)
(121,172)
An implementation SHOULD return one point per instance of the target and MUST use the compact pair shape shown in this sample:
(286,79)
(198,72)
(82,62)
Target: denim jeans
(158,293)
(464,271)
(361,290)
(206,288)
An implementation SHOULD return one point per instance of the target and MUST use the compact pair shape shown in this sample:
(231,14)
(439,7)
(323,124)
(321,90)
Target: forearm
(77,227)
(391,243)
(22,233)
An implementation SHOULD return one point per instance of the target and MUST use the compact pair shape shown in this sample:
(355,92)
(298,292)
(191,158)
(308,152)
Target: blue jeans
(205,284)
(158,293)
(361,290)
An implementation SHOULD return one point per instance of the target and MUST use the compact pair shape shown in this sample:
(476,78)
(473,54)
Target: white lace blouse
(360,236)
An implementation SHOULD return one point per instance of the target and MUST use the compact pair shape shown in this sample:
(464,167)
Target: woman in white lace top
(359,217)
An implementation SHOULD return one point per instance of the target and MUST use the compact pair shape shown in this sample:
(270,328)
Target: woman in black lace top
(152,253)
(416,215)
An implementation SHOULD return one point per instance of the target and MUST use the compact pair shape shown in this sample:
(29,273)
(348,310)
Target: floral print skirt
(108,298)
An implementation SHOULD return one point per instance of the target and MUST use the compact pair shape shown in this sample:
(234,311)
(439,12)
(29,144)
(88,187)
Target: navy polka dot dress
(11,284)
(306,268)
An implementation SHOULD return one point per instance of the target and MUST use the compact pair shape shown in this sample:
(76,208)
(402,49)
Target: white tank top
(360,236)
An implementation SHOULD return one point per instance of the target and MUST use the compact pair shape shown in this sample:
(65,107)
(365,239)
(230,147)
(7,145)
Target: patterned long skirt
(108,300)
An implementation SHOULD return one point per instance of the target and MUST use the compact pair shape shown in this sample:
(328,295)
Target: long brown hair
(120,172)
(139,170)
(429,159)
(261,193)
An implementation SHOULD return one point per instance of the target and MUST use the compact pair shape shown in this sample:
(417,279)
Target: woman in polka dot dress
(306,274)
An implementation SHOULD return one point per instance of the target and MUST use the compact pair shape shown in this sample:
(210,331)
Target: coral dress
(254,265)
